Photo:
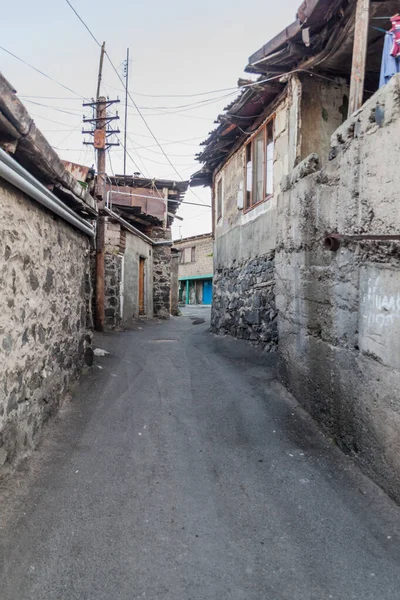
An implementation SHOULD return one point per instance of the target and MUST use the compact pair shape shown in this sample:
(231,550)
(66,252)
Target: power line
(132,100)
(41,72)
(129,155)
(50,120)
(67,112)
(83,23)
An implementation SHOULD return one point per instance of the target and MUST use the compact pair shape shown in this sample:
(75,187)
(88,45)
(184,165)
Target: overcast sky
(179,50)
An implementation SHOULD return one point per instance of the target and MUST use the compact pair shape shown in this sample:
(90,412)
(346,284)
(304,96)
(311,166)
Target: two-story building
(300,98)
(304,175)
(195,269)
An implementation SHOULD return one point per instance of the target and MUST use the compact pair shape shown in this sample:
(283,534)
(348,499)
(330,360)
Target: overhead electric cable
(41,72)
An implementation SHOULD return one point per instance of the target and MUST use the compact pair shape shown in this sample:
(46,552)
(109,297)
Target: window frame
(247,206)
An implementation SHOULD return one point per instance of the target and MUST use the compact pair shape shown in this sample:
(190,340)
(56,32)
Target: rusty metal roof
(143,198)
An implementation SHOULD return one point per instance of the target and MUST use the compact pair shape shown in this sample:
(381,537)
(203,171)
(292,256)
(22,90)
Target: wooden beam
(359,55)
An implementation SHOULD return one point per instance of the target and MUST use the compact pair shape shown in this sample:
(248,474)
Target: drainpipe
(20,178)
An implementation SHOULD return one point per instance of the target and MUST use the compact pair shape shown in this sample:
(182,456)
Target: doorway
(142,271)
(207,291)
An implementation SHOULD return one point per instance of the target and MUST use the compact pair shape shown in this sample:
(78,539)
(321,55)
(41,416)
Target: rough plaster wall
(136,248)
(203,264)
(324,106)
(241,236)
(339,313)
(244,290)
(44,288)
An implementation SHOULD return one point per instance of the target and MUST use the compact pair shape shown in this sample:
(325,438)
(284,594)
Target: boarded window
(219,199)
(260,166)
(188,255)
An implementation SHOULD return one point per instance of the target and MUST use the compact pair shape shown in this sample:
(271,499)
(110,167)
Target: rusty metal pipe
(332,240)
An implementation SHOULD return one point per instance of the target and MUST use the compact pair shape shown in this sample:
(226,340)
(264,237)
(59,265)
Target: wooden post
(359,55)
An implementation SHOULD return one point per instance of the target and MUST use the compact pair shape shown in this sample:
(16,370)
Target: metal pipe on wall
(19,177)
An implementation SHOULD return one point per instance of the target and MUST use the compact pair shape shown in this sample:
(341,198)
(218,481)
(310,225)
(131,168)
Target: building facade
(139,258)
(306,223)
(196,257)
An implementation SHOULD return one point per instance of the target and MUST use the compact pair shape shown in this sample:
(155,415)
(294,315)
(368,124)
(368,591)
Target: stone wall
(112,299)
(244,302)
(339,312)
(162,273)
(45,267)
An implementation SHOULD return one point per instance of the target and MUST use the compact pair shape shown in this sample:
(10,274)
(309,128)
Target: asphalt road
(182,471)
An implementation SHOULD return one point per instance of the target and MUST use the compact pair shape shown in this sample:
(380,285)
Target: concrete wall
(339,312)
(44,289)
(204,263)
(136,248)
(324,107)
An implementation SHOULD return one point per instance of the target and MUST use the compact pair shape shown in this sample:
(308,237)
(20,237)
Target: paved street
(182,471)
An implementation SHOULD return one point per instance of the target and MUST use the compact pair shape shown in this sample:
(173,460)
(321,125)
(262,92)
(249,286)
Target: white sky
(177,48)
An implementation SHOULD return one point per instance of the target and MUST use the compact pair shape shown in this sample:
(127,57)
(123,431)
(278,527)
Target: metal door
(207,291)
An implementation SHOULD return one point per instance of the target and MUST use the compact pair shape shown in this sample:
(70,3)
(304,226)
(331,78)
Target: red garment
(396,35)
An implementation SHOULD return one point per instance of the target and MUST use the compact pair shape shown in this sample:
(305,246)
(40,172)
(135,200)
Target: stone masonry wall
(45,304)
(339,312)
(162,274)
(244,302)
(112,275)
(112,278)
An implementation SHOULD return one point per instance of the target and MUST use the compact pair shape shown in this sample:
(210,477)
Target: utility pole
(100,133)
(126,106)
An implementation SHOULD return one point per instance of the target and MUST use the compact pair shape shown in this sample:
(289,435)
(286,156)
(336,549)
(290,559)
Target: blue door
(207,291)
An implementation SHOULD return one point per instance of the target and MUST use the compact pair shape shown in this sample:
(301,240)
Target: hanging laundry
(396,35)
(390,63)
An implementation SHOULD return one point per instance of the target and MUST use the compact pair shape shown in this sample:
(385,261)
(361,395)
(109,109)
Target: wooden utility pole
(359,55)
(103,51)
(126,106)
(100,132)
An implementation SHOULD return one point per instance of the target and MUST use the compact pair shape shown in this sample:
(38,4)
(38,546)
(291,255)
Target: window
(260,166)
(219,199)
(188,255)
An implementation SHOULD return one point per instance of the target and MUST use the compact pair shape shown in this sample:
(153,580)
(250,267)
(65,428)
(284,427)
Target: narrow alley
(181,470)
